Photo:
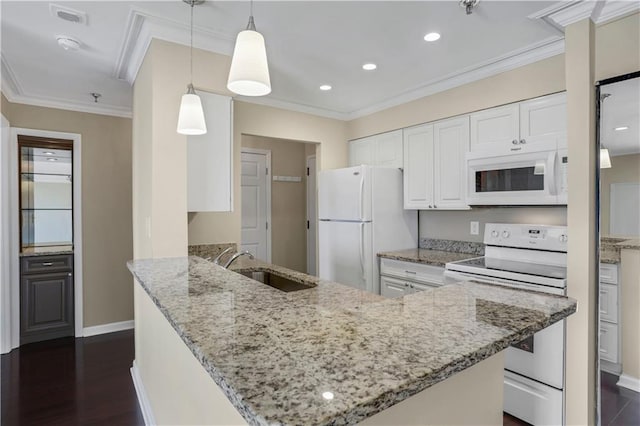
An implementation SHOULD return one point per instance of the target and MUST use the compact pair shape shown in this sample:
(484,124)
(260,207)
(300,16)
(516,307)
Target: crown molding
(10,84)
(40,101)
(143,26)
(565,13)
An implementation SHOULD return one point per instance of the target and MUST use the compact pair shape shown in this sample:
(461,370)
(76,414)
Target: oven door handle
(463,276)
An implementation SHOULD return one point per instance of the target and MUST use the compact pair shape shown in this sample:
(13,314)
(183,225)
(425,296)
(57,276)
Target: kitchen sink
(276,281)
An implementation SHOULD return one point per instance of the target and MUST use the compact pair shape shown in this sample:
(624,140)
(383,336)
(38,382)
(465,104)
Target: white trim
(90,108)
(565,13)
(610,367)
(267,154)
(143,400)
(14,245)
(107,328)
(629,382)
(5,240)
(272,102)
(10,84)
(312,195)
(617,9)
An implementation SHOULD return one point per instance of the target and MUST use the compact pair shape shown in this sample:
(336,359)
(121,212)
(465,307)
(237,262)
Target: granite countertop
(426,256)
(610,247)
(273,354)
(46,251)
(632,243)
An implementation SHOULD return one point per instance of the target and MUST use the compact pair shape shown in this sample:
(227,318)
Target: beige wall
(106,204)
(630,312)
(624,168)
(288,200)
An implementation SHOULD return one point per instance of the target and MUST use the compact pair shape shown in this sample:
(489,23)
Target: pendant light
(249,74)
(605,160)
(191,117)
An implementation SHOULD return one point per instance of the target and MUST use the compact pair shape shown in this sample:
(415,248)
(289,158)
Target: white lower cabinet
(610,336)
(399,278)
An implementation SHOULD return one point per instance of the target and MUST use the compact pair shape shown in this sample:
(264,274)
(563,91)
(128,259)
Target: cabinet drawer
(608,273)
(44,264)
(417,272)
(609,342)
(391,287)
(609,303)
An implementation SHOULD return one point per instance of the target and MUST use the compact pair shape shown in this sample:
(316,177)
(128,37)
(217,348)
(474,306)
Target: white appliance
(518,178)
(360,213)
(529,257)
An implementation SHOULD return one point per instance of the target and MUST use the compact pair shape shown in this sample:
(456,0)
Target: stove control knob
(505,234)
(495,234)
(563,238)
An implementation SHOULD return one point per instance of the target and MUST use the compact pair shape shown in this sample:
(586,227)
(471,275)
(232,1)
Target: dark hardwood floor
(87,382)
(71,382)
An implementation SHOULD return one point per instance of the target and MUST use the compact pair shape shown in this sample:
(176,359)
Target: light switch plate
(474,229)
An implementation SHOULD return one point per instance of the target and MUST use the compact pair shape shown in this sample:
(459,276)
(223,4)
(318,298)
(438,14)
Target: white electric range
(528,257)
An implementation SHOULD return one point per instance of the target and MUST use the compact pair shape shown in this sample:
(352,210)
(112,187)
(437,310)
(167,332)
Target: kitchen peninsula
(245,352)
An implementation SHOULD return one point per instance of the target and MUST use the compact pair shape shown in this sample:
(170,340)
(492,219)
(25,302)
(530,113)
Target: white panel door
(210,158)
(624,212)
(418,167)
(609,302)
(345,194)
(254,205)
(344,255)
(451,144)
(312,218)
(495,129)
(388,149)
(544,121)
(361,152)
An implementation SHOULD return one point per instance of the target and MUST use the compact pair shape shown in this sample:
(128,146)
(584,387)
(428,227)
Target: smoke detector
(68,14)
(68,43)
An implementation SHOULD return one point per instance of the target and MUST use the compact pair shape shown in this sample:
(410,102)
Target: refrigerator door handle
(362,250)
(361,196)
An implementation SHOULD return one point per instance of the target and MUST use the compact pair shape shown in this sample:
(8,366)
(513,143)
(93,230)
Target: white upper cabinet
(418,167)
(434,165)
(544,120)
(379,150)
(495,128)
(451,144)
(532,125)
(210,157)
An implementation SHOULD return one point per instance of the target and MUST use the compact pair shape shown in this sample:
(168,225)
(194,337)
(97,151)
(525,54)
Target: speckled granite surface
(274,354)
(426,256)
(632,244)
(46,251)
(452,245)
(610,247)
(211,251)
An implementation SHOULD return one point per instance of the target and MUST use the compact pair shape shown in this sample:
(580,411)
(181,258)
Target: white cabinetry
(383,150)
(609,318)
(527,126)
(399,278)
(210,157)
(434,165)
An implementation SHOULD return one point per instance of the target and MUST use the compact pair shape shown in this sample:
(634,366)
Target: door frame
(313,194)
(267,154)
(12,315)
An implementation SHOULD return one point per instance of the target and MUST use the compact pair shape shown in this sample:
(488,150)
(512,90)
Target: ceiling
(621,109)
(308,44)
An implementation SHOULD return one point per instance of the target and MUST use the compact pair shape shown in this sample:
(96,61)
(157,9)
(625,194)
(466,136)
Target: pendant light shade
(191,117)
(249,73)
(605,160)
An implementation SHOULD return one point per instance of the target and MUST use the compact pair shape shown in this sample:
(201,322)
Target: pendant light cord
(251,25)
(191,48)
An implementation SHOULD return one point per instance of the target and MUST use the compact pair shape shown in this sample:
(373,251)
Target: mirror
(619,285)
(46,194)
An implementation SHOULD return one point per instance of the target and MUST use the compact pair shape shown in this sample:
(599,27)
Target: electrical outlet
(474,228)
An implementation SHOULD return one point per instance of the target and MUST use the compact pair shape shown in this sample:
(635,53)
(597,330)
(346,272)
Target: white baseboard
(629,382)
(143,401)
(107,328)
(610,367)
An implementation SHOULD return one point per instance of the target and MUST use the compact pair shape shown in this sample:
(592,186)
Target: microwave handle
(551,173)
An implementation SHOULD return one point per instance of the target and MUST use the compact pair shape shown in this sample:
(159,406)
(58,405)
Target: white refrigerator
(360,213)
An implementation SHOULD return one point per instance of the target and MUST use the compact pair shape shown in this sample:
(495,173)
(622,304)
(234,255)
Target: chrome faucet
(237,255)
(218,257)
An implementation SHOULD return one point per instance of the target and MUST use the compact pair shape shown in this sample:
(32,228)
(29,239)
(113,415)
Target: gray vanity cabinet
(46,298)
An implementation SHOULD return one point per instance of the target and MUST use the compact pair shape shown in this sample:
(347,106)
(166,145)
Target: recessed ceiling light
(325,87)
(621,128)
(369,67)
(52,159)
(68,43)
(327,395)
(432,37)
(48,153)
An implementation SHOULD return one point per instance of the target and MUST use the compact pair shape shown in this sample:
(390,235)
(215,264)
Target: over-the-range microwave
(530,178)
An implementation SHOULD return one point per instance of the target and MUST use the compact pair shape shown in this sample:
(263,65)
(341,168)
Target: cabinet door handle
(410,272)
(47,263)
(516,149)
(69,274)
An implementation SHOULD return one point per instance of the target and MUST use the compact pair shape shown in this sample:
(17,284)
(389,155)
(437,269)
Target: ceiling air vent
(68,14)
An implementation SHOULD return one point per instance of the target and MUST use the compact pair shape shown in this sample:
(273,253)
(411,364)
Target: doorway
(255,186)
